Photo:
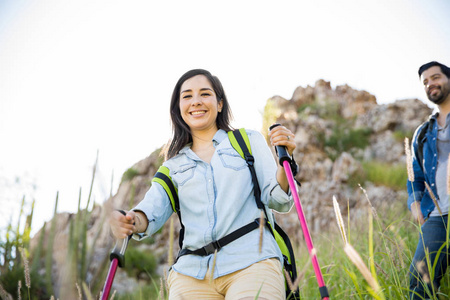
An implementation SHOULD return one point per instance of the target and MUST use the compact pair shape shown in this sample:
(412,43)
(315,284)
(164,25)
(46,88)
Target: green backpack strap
(241,143)
(163,178)
(239,140)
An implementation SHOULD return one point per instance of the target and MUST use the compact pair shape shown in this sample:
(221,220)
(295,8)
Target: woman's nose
(197,99)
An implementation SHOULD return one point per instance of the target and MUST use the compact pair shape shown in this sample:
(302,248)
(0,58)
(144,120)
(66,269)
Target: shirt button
(432,184)
(433,168)
(209,180)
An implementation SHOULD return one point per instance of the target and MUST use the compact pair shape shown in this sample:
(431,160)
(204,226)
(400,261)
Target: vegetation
(270,115)
(129,174)
(392,234)
(344,139)
(139,263)
(399,135)
(381,173)
(327,109)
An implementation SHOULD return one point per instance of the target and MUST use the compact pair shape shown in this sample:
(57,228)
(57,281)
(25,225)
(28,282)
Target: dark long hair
(181,133)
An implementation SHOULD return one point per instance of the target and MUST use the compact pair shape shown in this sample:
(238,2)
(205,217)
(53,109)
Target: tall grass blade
(26,269)
(340,222)
(261,230)
(49,255)
(433,197)
(19,287)
(358,262)
(409,167)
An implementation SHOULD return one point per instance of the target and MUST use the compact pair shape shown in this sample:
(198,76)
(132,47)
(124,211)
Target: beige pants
(264,277)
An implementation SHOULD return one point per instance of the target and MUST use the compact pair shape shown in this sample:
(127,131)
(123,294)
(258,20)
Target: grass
(385,244)
(393,237)
(381,173)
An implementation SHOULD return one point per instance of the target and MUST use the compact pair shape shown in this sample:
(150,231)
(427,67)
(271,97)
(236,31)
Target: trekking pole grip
(119,249)
(281,151)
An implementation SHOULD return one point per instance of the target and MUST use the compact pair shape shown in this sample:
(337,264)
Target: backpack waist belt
(217,245)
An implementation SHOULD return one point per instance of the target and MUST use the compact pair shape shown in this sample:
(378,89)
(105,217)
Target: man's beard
(440,97)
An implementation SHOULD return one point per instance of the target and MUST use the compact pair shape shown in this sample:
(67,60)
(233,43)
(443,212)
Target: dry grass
(340,222)
(409,167)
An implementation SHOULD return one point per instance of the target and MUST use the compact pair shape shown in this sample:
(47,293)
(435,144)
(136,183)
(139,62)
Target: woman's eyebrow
(202,89)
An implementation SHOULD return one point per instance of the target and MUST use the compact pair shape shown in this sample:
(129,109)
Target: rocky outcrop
(336,131)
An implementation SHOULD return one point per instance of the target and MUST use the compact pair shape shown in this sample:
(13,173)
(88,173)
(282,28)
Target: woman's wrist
(140,222)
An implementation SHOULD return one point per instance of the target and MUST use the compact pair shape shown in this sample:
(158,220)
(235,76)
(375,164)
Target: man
(430,205)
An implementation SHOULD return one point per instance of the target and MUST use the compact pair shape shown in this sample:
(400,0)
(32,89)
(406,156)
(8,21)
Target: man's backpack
(424,128)
(241,143)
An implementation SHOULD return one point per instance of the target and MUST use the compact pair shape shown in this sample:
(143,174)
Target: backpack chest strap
(217,245)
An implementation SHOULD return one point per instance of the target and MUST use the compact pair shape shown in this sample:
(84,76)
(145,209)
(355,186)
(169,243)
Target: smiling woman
(203,166)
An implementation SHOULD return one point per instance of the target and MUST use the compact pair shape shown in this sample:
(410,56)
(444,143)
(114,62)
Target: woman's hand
(122,225)
(281,136)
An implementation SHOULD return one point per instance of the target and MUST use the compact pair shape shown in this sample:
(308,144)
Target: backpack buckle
(249,159)
(211,247)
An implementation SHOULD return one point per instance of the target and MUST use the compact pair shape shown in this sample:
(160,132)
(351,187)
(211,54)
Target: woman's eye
(206,94)
(187,96)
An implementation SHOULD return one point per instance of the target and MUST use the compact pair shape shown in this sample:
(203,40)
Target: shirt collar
(217,139)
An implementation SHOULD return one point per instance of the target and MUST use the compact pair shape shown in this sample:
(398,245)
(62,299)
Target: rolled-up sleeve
(157,208)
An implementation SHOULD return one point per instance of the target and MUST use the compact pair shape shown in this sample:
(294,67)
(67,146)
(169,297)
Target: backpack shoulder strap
(420,133)
(241,143)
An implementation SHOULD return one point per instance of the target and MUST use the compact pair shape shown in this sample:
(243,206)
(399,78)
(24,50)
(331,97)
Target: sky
(83,77)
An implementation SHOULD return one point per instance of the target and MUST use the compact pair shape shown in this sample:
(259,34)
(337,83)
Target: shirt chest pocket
(231,159)
(184,173)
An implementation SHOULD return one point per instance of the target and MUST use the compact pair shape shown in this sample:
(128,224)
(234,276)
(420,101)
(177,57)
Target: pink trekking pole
(117,258)
(286,160)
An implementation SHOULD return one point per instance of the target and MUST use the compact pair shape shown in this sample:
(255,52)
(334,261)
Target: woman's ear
(220,105)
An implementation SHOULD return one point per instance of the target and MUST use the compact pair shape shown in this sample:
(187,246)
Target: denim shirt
(216,199)
(416,189)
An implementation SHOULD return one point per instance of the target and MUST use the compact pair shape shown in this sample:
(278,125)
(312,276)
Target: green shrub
(329,109)
(138,262)
(344,139)
(10,279)
(270,115)
(381,173)
(129,174)
(400,135)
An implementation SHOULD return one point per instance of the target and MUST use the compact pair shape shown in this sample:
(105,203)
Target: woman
(216,197)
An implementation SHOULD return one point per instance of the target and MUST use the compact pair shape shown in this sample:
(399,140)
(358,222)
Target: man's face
(436,85)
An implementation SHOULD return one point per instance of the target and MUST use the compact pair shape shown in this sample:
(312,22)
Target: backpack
(241,143)
(424,128)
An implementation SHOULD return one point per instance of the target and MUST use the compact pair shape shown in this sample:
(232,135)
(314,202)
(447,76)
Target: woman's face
(198,104)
